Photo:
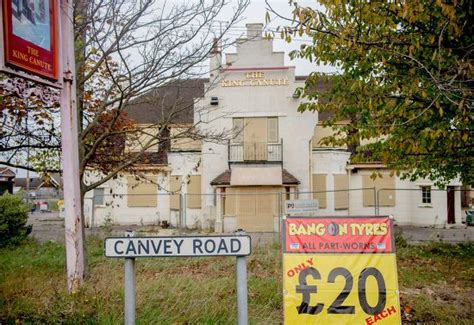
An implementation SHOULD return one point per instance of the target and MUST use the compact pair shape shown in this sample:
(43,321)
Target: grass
(436,284)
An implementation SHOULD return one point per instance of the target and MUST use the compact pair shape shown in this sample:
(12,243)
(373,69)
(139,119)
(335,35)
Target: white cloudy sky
(255,13)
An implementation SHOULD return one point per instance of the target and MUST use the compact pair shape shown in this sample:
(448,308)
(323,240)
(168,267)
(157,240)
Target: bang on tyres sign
(30,36)
(340,271)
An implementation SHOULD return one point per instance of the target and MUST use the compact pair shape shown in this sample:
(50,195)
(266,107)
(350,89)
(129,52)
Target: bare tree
(126,50)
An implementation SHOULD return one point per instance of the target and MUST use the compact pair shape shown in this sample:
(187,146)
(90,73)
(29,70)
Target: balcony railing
(255,152)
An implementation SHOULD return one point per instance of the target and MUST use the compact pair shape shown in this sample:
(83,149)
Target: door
(255,139)
(256,207)
(450,194)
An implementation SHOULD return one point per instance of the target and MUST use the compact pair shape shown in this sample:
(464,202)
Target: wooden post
(70,154)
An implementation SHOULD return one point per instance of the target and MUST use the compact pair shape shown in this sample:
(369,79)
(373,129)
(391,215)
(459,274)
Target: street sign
(177,246)
(301,206)
(340,271)
(130,247)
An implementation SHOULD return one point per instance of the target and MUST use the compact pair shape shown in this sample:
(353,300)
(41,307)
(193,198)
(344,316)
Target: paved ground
(48,226)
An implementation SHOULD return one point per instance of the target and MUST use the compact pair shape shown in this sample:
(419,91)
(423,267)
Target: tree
(124,50)
(405,80)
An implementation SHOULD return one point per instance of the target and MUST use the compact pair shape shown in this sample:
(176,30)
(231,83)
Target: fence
(260,210)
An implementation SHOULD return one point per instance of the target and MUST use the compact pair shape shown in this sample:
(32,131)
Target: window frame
(94,196)
(426,198)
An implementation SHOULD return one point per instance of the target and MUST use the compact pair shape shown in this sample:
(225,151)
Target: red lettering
(300,268)
(384,313)
(369,321)
(377,318)
(290,273)
(391,310)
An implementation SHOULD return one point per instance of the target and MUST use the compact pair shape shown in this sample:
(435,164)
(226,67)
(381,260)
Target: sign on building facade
(340,271)
(301,206)
(30,37)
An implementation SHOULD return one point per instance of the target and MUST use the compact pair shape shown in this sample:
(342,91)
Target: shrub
(13,218)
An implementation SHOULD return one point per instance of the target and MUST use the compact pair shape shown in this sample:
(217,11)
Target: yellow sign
(340,289)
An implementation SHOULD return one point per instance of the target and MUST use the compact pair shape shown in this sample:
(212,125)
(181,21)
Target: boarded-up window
(319,188)
(142,192)
(321,132)
(384,187)
(341,194)
(144,138)
(238,128)
(181,140)
(175,189)
(272,135)
(229,201)
(193,199)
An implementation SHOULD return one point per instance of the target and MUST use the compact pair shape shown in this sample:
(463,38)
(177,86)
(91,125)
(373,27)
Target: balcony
(255,152)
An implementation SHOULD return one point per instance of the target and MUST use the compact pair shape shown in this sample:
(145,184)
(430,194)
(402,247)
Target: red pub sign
(339,235)
(30,31)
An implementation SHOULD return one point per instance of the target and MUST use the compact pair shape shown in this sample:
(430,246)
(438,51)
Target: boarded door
(255,139)
(256,207)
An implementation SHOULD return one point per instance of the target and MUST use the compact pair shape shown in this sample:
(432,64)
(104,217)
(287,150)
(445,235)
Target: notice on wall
(340,271)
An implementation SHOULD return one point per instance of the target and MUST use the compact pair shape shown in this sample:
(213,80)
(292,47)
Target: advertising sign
(177,246)
(340,271)
(30,36)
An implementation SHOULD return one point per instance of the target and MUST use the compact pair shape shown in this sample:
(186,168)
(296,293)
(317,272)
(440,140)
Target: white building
(273,155)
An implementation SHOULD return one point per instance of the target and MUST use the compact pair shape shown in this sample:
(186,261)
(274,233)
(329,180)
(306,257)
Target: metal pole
(242,305)
(376,204)
(129,286)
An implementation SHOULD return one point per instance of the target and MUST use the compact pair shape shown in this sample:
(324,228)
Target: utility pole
(70,149)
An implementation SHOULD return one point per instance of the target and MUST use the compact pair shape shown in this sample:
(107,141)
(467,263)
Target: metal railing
(255,151)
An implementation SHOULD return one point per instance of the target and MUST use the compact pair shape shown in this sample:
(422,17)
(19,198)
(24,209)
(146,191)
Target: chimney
(215,60)
(254,31)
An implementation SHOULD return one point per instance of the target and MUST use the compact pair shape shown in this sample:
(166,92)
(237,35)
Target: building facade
(271,153)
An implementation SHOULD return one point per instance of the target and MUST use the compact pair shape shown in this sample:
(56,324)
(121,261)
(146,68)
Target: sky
(255,13)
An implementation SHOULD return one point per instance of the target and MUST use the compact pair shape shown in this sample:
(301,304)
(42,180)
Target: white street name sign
(177,246)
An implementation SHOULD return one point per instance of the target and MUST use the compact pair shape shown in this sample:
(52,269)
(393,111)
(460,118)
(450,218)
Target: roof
(173,102)
(224,178)
(35,182)
(6,172)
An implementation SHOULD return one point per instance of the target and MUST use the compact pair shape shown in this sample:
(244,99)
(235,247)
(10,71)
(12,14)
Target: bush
(13,218)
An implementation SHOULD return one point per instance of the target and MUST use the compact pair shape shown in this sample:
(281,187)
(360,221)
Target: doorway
(451,210)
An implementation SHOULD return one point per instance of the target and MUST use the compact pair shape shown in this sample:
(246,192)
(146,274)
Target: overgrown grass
(435,280)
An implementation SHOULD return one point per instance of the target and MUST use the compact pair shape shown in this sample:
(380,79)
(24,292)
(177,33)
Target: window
(426,194)
(384,187)
(341,194)
(319,189)
(272,130)
(175,189)
(98,196)
(142,192)
(193,198)
(238,128)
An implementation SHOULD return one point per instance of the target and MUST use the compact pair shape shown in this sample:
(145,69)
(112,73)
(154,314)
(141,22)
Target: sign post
(340,270)
(129,289)
(241,270)
(130,247)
